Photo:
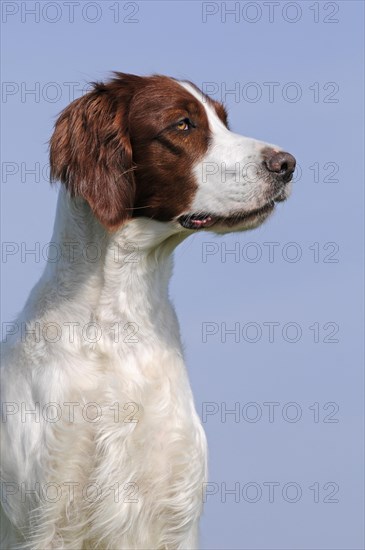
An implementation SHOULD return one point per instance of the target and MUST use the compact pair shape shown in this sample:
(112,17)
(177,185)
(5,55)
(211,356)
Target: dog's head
(159,148)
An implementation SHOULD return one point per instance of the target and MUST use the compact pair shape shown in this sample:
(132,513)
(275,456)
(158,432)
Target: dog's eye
(184,124)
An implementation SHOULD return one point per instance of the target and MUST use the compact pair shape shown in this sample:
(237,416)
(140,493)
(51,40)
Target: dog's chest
(149,447)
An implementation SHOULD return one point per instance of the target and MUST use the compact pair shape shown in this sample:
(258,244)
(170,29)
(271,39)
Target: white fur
(162,456)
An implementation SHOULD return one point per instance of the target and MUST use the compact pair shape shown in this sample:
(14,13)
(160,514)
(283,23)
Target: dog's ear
(91,154)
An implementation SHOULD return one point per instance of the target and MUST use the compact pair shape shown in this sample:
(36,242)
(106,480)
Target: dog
(102,447)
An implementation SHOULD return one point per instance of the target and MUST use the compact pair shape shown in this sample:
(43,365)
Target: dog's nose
(282,164)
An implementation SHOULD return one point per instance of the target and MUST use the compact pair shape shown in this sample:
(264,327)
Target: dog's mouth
(205,220)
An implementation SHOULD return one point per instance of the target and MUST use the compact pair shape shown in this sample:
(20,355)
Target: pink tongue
(203,223)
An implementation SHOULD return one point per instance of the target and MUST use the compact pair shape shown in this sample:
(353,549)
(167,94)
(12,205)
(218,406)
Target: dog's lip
(197,221)
(206,220)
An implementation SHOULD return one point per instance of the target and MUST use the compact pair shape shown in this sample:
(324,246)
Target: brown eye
(184,124)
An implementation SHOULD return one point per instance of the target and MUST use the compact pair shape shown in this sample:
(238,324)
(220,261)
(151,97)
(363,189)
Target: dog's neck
(120,277)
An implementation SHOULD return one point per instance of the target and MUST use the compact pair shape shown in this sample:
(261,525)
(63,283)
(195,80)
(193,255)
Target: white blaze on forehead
(215,122)
(228,178)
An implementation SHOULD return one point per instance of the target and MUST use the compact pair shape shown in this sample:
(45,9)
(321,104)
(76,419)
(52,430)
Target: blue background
(172,38)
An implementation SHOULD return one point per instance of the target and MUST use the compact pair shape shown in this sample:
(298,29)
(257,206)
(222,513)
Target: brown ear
(90,152)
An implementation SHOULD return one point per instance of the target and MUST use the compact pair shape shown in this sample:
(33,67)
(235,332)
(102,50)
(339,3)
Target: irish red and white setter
(102,447)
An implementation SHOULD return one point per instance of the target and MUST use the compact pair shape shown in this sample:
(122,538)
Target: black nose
(282,164)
